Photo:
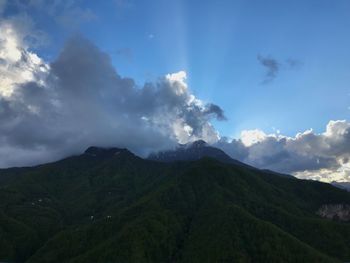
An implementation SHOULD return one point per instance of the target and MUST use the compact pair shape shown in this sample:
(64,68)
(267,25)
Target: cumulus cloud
(53,110)
(17,65)
(308,155)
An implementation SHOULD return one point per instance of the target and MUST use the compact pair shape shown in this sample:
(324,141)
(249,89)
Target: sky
(267,81)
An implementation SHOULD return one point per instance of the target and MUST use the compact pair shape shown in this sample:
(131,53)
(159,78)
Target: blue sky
(273,67)
(217,43)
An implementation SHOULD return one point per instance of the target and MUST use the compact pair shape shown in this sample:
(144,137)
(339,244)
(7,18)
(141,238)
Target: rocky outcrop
(339,212)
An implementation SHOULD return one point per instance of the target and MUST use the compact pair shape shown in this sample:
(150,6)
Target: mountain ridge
(191,152)
(197,150)
(108,205)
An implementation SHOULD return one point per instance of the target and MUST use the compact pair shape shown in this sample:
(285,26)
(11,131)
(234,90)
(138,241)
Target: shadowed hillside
(108,205)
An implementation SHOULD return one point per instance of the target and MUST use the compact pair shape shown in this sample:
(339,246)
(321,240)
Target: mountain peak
(104,151)
(197,144)
(193,151)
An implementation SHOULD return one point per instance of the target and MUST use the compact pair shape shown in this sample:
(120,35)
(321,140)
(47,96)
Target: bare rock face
(339,212)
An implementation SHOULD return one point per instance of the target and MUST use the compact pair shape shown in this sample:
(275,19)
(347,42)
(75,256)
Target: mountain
(197,150)
(109,205)
(342,185)
(192,151)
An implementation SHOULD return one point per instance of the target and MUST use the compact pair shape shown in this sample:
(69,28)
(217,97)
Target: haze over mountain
(108,205)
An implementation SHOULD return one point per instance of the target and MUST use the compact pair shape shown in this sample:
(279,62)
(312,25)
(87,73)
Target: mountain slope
(192,152)
(342,185)
(112,206)
(196,151)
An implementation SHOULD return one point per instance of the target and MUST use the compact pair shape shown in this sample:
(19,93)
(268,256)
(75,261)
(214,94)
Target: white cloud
(17,64)
(178,82)
(250,137)
(307,155)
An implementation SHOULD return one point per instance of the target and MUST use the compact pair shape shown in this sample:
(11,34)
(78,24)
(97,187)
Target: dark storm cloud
(83,101)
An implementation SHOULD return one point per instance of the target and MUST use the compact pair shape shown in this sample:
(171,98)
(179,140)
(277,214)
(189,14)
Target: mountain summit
(193,151)
(105,152)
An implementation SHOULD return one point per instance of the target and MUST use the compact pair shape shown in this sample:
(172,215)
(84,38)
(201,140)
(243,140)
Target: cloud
(22,24)
(52,110)
(293,63)
(308,155)
(215,110)
(67,13)
(273,66)
(17,64)
(2,6)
